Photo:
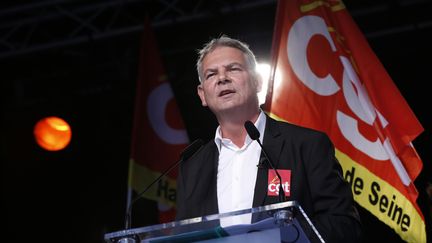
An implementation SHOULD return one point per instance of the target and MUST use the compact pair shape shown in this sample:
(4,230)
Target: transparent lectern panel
(287,219)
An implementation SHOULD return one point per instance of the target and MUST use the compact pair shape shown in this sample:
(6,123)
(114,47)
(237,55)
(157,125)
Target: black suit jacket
(316,180)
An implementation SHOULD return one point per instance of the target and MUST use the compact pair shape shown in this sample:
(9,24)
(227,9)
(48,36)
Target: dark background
(79,60)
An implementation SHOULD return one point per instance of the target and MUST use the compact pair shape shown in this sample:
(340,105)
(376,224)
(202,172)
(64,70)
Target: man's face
(227,83)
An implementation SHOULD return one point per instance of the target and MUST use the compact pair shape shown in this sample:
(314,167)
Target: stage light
(264,70)
(52,133)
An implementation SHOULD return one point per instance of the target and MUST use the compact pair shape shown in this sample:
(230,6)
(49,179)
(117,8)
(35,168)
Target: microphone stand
(254,134)
(186,154)
(282,217)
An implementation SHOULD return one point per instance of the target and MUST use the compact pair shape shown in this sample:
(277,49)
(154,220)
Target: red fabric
(153,95)
(147,147)
(300,104)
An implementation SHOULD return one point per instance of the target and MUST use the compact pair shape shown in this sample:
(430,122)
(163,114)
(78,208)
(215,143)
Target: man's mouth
(226,92)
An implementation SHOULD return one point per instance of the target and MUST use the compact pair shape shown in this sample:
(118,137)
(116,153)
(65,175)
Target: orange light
(52,133)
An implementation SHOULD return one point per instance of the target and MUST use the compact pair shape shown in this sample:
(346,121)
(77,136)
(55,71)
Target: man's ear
(258,82)
(200,92)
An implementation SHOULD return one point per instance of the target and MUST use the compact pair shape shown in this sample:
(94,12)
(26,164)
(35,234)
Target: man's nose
(223,78)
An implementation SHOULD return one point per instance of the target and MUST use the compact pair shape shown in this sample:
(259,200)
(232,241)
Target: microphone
(254,134)
(186,154)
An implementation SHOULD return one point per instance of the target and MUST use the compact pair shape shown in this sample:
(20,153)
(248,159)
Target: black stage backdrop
(79,194)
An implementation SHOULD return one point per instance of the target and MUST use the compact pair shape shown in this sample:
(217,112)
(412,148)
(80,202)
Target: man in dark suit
(224,177)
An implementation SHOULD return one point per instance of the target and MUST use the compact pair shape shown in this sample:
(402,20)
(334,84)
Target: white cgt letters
(298,40)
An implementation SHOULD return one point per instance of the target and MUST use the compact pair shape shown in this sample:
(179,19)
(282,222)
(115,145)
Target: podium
(280,222)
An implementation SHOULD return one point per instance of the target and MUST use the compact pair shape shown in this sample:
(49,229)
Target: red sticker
(273,182)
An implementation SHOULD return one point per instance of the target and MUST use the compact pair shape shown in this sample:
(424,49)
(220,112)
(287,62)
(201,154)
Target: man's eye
(209,75)
(235,69)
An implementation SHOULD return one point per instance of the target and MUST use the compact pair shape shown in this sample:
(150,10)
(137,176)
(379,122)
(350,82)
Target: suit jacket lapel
(211,205)
(273,146)
(201,188)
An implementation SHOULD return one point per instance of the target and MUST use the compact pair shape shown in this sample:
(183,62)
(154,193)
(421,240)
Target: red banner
(158,132)
(326,77)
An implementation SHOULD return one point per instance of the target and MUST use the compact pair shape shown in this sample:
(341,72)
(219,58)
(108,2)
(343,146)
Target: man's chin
(228,109)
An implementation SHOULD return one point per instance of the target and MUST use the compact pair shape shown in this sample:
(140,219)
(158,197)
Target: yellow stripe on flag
(163,191)
(383,200)
(335,6)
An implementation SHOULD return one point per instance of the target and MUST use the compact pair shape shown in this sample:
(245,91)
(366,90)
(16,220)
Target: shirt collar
(259,124)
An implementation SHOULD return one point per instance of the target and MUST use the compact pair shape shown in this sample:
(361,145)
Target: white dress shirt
(237,172)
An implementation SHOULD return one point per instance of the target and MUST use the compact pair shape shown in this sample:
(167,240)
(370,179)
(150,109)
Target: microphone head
(252,131)
(191,149)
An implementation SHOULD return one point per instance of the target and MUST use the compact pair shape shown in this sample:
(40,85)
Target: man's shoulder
(206,152)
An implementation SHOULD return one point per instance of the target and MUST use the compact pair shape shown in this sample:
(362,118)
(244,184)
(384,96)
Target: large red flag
(158,131)
(327,77)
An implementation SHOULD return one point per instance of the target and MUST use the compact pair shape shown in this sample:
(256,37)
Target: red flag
(333,82)
(158,131)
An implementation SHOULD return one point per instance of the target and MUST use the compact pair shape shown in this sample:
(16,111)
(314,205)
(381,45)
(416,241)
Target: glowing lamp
(52,133)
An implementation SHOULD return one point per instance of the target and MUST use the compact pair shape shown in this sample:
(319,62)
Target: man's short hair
(225,41)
